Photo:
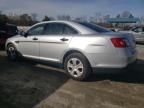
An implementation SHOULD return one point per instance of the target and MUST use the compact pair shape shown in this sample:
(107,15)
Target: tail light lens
(119,42)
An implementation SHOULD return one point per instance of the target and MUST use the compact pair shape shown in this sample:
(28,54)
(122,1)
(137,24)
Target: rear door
(55,41)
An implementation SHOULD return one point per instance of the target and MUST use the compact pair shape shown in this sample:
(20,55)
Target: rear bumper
(111,61)
(112,69)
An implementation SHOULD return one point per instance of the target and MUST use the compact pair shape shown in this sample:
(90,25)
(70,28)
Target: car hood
(14,38)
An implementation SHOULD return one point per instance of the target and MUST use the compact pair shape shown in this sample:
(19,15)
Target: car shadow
(133,75)
(24,84)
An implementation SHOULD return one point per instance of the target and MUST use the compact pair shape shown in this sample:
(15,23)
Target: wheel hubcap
(75,67)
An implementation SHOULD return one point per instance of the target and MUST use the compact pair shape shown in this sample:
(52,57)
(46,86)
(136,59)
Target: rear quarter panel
(91,45)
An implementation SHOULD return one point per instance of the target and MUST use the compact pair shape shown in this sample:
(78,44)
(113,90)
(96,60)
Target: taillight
(119,42)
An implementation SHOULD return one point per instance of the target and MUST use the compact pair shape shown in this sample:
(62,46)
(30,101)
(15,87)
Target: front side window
(37,30)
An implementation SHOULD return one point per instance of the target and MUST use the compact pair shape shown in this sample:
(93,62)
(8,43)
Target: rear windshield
(95,27)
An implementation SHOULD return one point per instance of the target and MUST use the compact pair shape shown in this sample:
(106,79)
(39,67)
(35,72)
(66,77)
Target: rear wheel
(12,52)
(77,66)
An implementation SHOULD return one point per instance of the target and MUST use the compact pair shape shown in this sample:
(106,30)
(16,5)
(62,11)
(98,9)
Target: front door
(29,44)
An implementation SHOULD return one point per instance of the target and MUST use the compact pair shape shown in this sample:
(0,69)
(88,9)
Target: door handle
(35,38)
(64,39)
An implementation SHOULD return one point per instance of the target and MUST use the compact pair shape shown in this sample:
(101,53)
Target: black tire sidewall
(9,56)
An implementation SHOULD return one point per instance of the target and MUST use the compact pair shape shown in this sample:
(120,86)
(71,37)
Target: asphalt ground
(28,84)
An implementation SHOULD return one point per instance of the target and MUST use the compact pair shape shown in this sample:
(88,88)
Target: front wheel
(12,52)
(77,66)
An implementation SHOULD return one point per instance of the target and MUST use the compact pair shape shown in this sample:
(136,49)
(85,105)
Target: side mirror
(22,33)
(25,34)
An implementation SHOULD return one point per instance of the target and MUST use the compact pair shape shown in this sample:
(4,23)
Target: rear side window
(53,29)
(69,30)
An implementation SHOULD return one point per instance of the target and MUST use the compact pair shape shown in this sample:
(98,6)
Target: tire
(12,52)
(77,67)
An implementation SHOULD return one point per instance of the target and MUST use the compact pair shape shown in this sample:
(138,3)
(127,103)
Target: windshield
(95,27)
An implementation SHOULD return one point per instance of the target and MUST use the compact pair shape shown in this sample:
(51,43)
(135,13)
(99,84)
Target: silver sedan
(138,33)
(79,46)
